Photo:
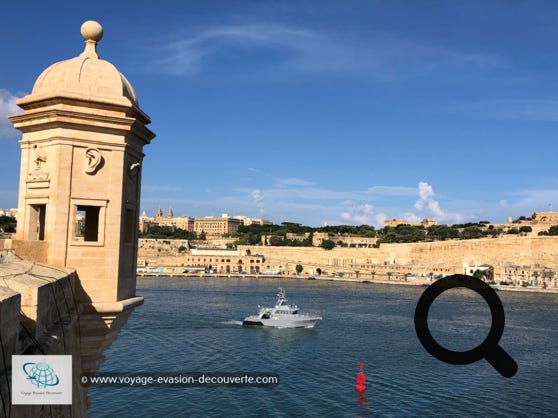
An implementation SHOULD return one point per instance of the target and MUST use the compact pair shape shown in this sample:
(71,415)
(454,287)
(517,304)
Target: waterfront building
(224,261)
(469,269)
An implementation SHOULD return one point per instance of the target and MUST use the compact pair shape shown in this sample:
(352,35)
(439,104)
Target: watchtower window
(87,223)
(37,222)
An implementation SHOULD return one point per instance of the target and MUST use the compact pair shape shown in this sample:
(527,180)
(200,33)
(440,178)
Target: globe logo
(40,374)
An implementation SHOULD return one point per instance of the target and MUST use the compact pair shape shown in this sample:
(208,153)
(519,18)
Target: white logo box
(41,380)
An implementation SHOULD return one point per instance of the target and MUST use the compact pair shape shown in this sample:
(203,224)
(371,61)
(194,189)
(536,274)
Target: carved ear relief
(94,160)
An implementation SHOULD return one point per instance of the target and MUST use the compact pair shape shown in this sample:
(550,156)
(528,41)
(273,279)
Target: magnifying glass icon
(488,349)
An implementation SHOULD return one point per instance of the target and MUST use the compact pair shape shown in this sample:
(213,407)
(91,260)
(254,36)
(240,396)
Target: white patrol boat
(282,315)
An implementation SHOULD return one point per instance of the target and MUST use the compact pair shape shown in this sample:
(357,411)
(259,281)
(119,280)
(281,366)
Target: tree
(548,274)
(471,232)
(299,268)
(7,223)
(327,244)
(389,273)
(276,241)
(202,236)
(479,274)
(319,271)
(525,228)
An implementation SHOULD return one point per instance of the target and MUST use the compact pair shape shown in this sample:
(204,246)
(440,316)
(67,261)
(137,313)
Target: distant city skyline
(319,112)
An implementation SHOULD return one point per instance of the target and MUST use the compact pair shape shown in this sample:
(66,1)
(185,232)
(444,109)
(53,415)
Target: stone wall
(38,315)
(28,250)
(441,256)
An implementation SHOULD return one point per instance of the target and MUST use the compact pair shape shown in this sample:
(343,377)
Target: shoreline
(423,283)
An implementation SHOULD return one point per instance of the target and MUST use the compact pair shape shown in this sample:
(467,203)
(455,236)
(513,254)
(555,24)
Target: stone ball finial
(92,30)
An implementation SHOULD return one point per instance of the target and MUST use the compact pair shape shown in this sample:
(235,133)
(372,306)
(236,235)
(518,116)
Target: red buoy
(361,379)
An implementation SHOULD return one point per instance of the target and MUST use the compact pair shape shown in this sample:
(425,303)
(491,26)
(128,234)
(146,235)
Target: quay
(409,282)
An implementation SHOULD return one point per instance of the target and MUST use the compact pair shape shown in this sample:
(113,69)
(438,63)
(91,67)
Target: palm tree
(373,272)
(389,273)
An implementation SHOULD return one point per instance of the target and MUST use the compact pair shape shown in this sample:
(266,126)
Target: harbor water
(192,325)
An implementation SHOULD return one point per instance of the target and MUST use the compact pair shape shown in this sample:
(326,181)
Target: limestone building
(182,222)
(8,212)
(214,227)
(545,218)
(398,221)
(76,243)
(81,156)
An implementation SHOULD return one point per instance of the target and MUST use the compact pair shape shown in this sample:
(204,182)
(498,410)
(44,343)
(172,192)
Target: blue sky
(319,111)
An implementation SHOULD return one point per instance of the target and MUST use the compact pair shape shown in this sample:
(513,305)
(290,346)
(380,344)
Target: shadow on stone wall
(39,315)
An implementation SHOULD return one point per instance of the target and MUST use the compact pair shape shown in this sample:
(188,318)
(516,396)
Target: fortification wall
(449,255)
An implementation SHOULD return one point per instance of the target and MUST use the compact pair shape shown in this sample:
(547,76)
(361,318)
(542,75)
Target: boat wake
(231,322)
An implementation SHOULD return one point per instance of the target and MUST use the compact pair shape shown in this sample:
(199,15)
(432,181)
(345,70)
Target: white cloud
(300,190)
(313,206)
(363,215)
(538,200)
(258,200)
(304,51)
(293,181)
(411,217)
(426,200)
(189,55)
(428,207)
(8,107)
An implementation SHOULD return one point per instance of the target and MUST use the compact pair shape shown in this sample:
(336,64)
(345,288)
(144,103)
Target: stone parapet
(27,250)
(38,315)
(46,295)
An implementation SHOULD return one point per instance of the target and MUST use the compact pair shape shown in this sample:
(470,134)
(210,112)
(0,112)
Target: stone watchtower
(79,192)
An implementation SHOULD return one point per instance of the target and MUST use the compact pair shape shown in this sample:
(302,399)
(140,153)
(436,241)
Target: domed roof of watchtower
(86,76)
